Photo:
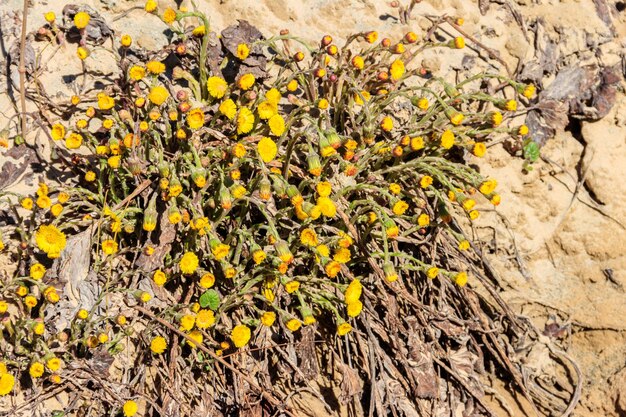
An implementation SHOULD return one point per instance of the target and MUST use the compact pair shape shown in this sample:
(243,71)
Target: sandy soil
(557,239)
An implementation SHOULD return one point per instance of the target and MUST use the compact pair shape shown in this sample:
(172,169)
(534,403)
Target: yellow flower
(293,325)
(510,105)
(488,186)
(228,108)
(259,256)
(273,95)
(267,109)
(276,124)
(53,364)
(268,318)
(447,139)
(207,280)
(355,308)
(457,118)
(267,149)
(480,149)
(220,251)
(217,87)
(240,335)
(7,382)
(396,70)
(63,197)
(386,124)
(136,72)
(423,103)
(400,207)
(323,188)
(50,240)
(426,181)
(158,95)
(468,204)
(423,220)
(197,337)
(523,130)
(43,201)
(126,41)
(50,17)
(37,271)
(292,286)
(327,206)
(187,322)
(73,141)
(81,20)
(322,104)
(195,119)
(459,42)
(246,81)
(529,91)
(109,247)
(353,292)
(432,272)
(169,15)
(342,255)
(245,120)
(239,150)
(308,237)
(36,369)
(358,62)
(159,278)
(205,319)
(155,67)
(158,345)
(243,51)
(130,408)
(105,102)
(114,161)
(57,132)
(150,6)
(199,31)
(332,269)
(464,245)
(188,263)
(395,188)
(496,118)
(323,250)
(461,279)
(292,85)
(473,215)
(344,328)
(90,176)
(371,37)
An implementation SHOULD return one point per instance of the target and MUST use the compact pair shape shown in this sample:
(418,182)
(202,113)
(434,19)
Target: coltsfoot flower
(189,263)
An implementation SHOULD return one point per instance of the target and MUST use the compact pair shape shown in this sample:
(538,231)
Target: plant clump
(235,201)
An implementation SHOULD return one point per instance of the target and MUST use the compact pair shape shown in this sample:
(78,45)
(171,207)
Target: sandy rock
(604,160)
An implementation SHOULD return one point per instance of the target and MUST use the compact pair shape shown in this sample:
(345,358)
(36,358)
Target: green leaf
(210,299)
(531,151)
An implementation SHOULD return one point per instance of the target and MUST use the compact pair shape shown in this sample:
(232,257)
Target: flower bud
(315,165)
(265,189)
(182,95)
(225,198)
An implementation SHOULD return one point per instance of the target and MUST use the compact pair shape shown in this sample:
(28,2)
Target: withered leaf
(167,234)
(351,384)
(244,33)
(98,31)
(16,162)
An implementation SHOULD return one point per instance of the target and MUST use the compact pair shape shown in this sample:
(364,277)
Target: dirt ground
(557,241)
